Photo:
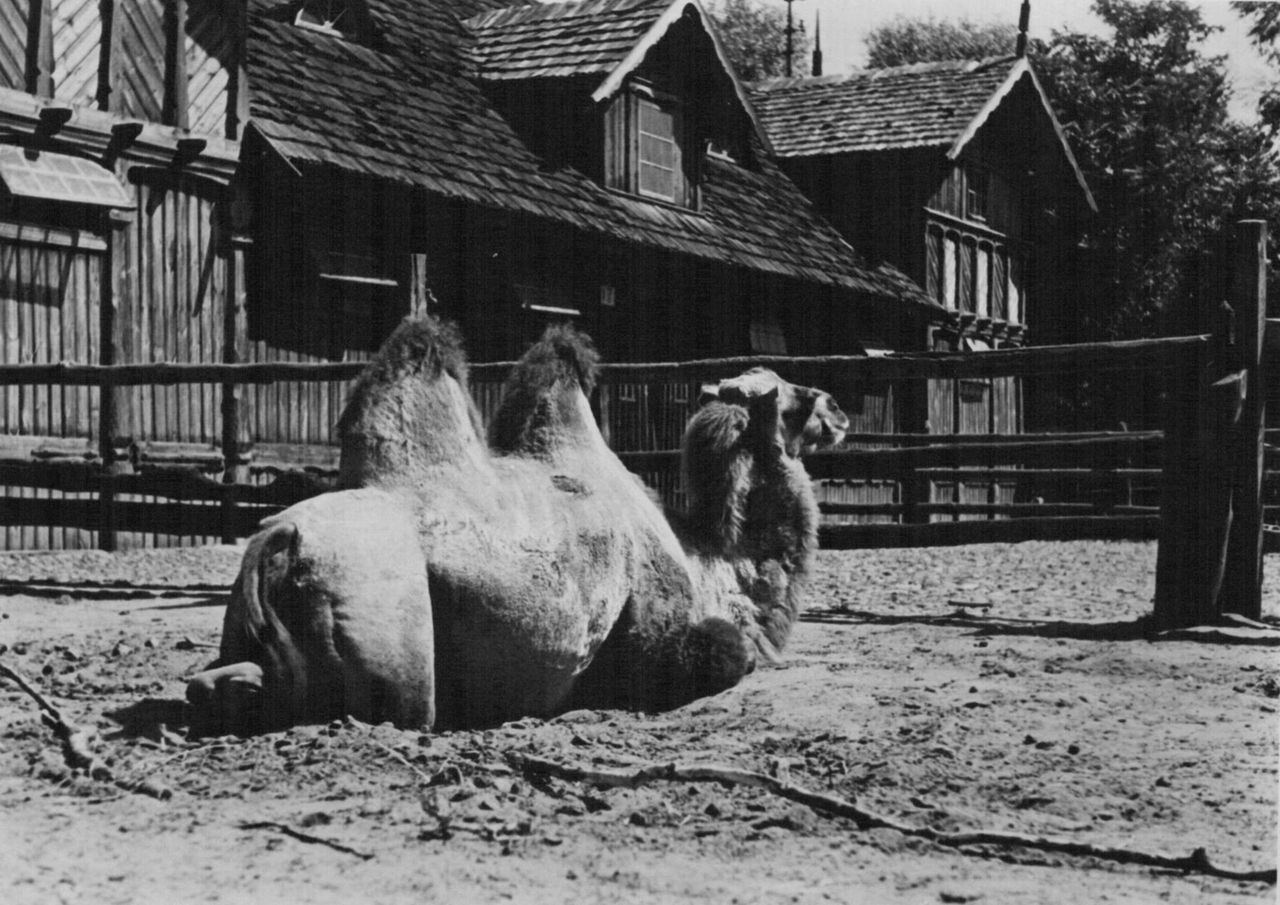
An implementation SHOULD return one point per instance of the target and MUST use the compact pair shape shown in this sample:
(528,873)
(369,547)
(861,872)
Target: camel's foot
(226,700)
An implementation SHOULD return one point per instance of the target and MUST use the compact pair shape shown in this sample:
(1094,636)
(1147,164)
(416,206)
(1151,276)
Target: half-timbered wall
(13,43)
(77,37)
(142,65)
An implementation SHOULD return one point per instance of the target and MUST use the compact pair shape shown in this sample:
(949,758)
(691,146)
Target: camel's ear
(709,392)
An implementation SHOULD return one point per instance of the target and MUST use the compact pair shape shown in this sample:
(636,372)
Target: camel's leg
(227,699)
(641,667)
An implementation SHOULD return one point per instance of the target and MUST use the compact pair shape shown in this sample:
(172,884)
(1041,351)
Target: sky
(845,24)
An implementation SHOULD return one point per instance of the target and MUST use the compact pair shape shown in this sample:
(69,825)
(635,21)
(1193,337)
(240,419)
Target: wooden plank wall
(49,296)
(49,308)
(170,307)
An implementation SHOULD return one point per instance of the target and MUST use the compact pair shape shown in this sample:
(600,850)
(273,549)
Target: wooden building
(959,175)
(285,179)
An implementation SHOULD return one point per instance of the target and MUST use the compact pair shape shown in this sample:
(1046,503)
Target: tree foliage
(1146,114)
(755,38)
(904,40)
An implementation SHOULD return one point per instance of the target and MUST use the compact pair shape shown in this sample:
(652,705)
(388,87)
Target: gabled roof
(408,110)
(608,38)
(918,106)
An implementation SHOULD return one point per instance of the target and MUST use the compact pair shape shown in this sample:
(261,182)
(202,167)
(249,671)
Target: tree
(1146,114)
(1264,31)
(904,40)
(755,38)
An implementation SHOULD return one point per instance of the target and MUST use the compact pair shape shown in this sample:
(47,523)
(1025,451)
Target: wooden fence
(1196,485)
(1099,484)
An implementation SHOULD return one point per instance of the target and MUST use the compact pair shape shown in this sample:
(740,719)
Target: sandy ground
(1047,713)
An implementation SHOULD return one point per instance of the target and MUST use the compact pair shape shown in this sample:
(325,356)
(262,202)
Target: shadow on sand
(1129,630)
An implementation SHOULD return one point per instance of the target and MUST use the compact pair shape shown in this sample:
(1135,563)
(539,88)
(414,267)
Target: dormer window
(659,173)
(329,16)
(646,146)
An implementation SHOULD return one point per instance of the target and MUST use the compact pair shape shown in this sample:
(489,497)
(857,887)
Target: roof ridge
(961,66)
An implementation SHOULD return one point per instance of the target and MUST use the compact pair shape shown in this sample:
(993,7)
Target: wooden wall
(50,284)
(13,43)
(77,36)
(171,304)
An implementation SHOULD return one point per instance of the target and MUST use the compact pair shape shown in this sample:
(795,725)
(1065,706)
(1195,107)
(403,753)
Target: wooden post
(108,409)
(174,111)
(232,470)
(39,64)
(1210,558)
(238,84)
(1242,582)
(108,54)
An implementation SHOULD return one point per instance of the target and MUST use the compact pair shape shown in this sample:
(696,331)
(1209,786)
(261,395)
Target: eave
(96,132)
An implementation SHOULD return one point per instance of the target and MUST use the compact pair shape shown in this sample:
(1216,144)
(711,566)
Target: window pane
(999,285)
(658,181)
(658,151)
(982,284)
(655,120)
(949,271)
(1016,276)
(965,278)
(933,266)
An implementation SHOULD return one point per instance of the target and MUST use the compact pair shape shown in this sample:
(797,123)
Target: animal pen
(1205,485)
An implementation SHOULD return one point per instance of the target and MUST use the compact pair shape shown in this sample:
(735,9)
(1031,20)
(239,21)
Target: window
(977,194)
(645,152)
(49,176)
(658,151)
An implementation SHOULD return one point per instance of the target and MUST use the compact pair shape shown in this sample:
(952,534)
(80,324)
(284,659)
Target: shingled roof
(923,105)
(409,107)
(555,40)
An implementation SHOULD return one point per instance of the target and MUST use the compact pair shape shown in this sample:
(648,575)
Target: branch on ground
(77,752)
(833,805)
(304,837)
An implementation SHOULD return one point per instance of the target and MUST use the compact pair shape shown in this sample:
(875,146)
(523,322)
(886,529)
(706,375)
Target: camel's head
(808,418)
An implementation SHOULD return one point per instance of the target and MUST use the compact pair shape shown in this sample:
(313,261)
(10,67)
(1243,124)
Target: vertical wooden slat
(175,110)
(238,88)
(38,338)
(39,67)
(9,303)
(1242,584)
(106,96)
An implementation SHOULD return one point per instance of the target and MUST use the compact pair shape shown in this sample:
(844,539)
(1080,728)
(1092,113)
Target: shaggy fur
(456,585)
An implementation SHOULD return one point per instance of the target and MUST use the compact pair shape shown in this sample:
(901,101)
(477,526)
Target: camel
(459,581)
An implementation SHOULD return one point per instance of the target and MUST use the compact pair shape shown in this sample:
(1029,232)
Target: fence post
(232,469)
(1242,582)
(1210,555)
(108,394)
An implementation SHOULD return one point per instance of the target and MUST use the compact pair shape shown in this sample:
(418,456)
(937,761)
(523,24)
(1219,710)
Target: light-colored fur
(459,582)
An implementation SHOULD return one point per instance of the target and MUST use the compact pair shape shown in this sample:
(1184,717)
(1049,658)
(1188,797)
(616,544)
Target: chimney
(1024,20)
(817,44)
